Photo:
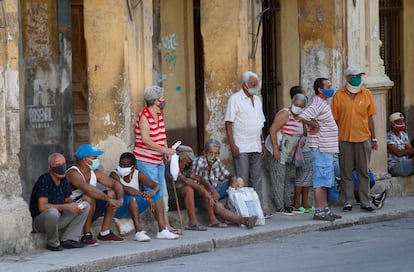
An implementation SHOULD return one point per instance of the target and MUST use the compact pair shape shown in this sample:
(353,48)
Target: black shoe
(367,209)
(71,244)
(336,216)
(347,208)
(54,248)
(378,199)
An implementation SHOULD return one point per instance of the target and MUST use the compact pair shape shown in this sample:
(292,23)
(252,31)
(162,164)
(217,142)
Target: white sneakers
(140,236)
(166,234)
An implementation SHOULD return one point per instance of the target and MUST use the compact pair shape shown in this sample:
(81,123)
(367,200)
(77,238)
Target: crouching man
(53,209)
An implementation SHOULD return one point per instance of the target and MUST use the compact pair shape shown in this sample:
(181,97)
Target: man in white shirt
(244,124)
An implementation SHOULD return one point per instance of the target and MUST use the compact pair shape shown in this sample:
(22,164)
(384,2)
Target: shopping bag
(245,203)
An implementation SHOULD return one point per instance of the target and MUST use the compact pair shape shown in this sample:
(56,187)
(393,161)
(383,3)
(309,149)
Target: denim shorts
(323,169)
(153,171)
(123,211)
(403,168)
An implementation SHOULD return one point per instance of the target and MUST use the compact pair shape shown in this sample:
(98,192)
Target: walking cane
(175,170)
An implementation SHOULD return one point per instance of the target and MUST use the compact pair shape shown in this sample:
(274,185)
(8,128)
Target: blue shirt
(45,187)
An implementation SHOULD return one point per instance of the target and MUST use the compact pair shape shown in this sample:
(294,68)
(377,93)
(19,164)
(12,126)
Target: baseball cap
(395,116)
(87,150)
(352,70)
(184,151)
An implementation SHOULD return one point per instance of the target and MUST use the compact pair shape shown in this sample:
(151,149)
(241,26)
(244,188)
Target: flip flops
(197,227)
(218,225)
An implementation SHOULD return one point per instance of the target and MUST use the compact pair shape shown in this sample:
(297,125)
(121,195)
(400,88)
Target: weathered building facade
(74,71)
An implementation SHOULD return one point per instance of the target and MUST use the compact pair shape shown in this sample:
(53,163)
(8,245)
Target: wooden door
(79,77)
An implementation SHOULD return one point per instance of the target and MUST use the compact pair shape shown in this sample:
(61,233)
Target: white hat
(396,116)
(352,70)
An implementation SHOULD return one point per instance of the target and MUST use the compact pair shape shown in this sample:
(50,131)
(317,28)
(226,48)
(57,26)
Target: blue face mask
(355,81)
(95,164)
(328,92)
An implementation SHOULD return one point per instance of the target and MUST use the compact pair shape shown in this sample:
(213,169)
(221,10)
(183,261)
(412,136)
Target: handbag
(245,203)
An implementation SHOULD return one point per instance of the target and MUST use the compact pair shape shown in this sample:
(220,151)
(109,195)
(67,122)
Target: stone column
(15,220)
(363,45)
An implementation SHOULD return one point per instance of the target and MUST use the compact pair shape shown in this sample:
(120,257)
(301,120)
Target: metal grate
(390,51)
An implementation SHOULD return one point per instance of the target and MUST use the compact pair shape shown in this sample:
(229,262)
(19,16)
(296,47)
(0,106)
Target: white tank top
(134,183)
(77,193)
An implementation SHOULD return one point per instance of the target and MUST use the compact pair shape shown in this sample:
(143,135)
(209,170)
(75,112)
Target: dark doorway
(270,81)
(199,75)
(79,77)
(391,49)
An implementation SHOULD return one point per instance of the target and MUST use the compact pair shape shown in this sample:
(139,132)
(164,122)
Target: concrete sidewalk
(109,255)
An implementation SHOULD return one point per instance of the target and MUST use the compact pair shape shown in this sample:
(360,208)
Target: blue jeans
(221,189)
(403,168)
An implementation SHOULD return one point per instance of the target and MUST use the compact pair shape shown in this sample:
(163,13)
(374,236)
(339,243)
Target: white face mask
(123,172)
(296,110)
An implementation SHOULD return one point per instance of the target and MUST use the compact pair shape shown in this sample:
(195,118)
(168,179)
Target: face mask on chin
(211,159)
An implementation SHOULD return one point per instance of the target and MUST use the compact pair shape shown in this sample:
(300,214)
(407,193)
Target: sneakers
(166,234)
(285,211)
(88,240)
(110,237)
(336,216)
(71,244)
(347,208)
(54,248)
(311,209)
(378,199)
(298,210)
(367,209)
(267,215)
(323,217)
(140,236)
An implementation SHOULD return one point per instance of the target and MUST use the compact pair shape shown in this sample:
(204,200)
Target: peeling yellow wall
(177,67)
(105,27)
(408,51)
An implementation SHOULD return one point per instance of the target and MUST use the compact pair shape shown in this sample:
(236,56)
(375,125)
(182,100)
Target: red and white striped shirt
(327,136)
(292,127)
(157,135)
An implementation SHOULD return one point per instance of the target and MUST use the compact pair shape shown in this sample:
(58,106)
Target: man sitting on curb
(136,201)
(53,210)
(83,177)
(198,181)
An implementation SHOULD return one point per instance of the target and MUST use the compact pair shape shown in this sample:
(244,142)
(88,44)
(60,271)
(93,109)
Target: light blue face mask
(355,81)
(95,164)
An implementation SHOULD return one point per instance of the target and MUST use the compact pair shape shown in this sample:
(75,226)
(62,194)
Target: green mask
(355,81)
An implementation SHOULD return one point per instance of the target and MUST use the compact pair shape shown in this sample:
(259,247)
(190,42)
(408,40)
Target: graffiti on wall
(39,65)
(169,45)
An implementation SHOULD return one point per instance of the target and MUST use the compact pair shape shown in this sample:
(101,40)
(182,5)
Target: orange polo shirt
(351,114)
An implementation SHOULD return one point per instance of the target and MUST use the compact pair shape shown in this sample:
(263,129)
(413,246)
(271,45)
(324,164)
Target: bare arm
(371,126)
(110,183)
(69,205)
(127,189)
(76,180)
(145,134)
(392,148)
(278,122)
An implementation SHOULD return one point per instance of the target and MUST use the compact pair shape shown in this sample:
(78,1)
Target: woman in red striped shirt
(151,141)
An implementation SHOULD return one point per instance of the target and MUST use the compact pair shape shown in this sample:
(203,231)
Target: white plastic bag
(174,165)
(245,203)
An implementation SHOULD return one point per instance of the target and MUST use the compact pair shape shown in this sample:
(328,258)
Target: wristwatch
(374,140)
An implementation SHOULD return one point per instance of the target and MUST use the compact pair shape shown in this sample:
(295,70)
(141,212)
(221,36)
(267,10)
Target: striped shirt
(292,127)
(327,136)
(156,134)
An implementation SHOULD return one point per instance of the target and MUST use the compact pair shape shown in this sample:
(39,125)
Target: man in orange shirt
(353,109)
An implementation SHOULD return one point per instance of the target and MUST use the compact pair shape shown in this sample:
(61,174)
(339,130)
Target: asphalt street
(383,246)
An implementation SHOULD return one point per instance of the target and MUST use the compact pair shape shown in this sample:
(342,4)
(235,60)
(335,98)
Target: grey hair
(247,75)
(212,142)
(300,96)
(153,93)
(52,156)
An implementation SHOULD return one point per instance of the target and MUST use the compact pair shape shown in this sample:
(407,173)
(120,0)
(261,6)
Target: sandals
(197,227)
(218,224)
(251,222)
